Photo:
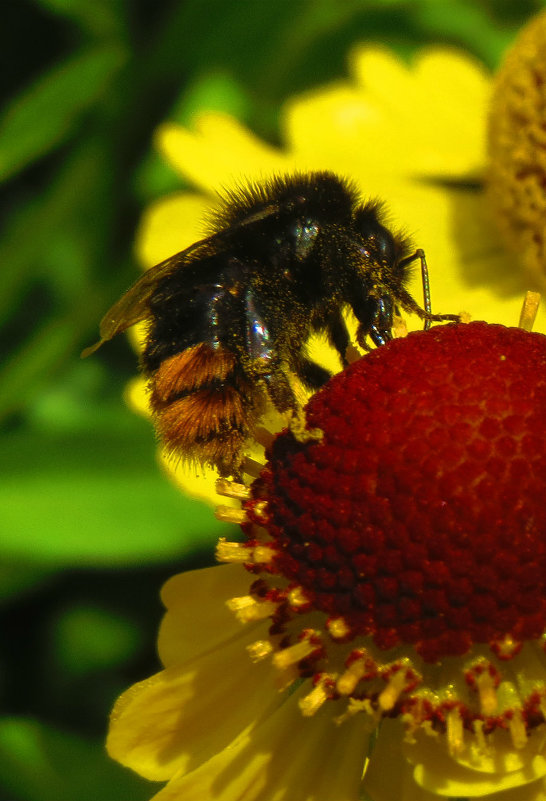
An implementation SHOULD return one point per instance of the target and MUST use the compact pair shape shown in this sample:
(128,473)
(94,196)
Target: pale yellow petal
(433,110)
(388,776)
(180,717)
(475,773)
(218,152)
(198,619)
(285,758)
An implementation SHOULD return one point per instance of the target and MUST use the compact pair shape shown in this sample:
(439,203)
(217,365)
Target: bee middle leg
(338,336)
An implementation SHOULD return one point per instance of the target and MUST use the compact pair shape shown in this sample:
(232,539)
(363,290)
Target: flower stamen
(455,731)
(243,552)
(226,514)
(247,608)
(321,692)
(529,310)
(309,645)
(232,489)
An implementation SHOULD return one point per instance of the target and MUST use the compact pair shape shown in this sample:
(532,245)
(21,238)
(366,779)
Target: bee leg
(338,335)
(279,389)
(311,374)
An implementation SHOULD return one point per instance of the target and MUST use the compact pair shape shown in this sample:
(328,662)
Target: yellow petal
(198,619)
(388,776)
(285,758)
(180,717)
(436,108)
(473,773)
(170,225)
(218,152)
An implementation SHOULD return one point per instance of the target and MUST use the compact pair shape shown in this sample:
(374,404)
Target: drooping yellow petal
(285,758)
(180,717)
(199,592)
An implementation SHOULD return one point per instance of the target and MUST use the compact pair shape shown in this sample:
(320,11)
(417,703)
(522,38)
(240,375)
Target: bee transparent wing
(132,307)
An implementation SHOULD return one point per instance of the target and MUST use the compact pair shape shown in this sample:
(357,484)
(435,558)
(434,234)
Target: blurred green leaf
(95,497)
(40,763)
(101,18)
(86,639)
(468,24)
(48,111)
(17,578)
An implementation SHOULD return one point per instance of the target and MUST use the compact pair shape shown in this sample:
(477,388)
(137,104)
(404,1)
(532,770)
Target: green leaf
(95,497)
(48,111)
(101,18)
(40,763)
(87,639)
(17,578)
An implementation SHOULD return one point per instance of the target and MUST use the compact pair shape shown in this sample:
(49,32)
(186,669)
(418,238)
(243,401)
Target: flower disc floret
(419,517)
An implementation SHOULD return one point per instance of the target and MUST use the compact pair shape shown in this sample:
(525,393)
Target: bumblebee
(229,317)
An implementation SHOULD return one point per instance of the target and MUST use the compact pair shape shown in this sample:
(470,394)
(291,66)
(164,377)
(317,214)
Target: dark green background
(89,527)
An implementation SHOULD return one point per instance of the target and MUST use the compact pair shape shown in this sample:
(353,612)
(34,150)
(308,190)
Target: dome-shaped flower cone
(517,149)
(406,531)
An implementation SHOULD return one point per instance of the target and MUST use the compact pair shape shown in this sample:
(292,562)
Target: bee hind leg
(280,391)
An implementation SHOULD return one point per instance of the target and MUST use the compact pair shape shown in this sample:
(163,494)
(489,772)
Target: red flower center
(420,516)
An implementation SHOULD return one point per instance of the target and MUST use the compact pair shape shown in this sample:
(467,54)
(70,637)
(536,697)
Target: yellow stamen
(228,515)
(529,310)
(516,726)
(399,327)
(455,739)
(231,489)
(260,650)
(488,694)
(481,742)
(295,653)
(247,608)
(318,695)
(348,680)
(241,553)
(390,695)
(297,598)
(338,628)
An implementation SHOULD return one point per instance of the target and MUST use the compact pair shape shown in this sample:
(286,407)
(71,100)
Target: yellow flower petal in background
(410,121)
(171,225)
(218,152)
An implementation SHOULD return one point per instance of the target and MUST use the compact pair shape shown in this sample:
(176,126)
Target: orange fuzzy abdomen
(204,406)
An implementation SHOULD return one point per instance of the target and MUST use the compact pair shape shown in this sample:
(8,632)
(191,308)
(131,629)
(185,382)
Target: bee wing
(133,306)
